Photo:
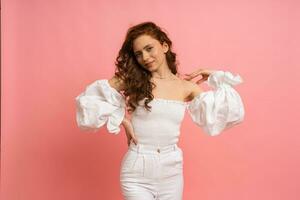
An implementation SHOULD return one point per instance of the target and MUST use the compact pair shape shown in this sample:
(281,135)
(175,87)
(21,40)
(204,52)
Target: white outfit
(153,169)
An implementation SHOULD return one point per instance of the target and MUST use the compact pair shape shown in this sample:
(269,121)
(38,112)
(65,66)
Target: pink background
(52,49)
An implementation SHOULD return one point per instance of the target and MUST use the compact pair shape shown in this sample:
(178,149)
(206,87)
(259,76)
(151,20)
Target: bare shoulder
(116,83)
(192,89)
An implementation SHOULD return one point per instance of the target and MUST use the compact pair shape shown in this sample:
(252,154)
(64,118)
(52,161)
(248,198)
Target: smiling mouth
(147,64)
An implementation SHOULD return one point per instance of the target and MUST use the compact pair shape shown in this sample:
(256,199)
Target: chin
(152,69)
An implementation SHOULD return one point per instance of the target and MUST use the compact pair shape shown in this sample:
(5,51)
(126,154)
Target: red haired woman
(147,85)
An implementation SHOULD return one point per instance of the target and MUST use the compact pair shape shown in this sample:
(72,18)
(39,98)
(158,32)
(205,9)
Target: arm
(218,109)
(126,123)
(100,104)
(116,83)
(191,89)
(129,131)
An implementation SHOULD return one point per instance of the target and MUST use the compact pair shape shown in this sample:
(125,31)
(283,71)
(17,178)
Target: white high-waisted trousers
(148,172)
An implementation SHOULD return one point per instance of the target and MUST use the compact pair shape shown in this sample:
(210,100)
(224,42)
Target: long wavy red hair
(136,79)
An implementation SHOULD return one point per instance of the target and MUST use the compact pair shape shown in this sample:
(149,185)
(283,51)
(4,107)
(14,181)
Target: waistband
(152,149)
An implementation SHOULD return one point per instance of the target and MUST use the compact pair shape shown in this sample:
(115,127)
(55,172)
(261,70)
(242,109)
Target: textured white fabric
(150,175)
(161,126)
(214,110)
(158,175)
(99,104)
(220,108)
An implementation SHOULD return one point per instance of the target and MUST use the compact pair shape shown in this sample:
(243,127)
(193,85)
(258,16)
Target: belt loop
(144,165)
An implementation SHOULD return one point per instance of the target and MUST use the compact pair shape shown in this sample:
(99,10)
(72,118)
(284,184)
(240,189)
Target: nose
(145,57)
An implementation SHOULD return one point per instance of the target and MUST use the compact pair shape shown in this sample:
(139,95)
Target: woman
(147,85)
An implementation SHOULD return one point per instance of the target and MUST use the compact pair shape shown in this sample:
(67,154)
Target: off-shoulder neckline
(186,103)
(157,99)
(170,101)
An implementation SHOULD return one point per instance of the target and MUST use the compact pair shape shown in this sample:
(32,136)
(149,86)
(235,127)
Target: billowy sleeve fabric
(100,104)
(220,108)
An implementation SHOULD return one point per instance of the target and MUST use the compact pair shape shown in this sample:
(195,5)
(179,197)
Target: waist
(152,149)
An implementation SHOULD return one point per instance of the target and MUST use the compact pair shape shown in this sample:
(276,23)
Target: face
(149,53)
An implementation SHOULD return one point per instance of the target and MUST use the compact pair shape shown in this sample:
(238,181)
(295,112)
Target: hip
(152,161)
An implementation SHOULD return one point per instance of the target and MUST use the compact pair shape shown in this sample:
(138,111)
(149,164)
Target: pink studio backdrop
(52,49)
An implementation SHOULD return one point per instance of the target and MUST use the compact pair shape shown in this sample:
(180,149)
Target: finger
(128,142)
(128,136)
(134,140)
(190,77)
(199,72)
(196,71)
(195,76)
(187,78)
(189,74)
(200,81)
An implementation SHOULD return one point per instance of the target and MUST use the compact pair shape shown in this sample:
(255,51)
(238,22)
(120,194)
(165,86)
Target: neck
(162,73)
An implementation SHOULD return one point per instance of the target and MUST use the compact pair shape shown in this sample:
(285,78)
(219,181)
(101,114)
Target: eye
(148,49)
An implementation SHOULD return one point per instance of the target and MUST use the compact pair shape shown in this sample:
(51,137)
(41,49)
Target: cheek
(160,55)
(155,53)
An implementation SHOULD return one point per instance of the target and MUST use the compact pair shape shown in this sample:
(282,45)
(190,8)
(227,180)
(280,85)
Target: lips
(149,63)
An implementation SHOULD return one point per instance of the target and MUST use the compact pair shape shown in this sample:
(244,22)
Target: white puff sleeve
(99,104)
(220,108)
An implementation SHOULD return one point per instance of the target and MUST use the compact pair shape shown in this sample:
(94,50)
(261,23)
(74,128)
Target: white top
(214,110)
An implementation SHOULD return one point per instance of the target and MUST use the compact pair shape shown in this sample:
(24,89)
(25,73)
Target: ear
(165,47)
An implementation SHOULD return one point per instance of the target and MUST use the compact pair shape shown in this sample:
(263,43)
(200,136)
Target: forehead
(140,42)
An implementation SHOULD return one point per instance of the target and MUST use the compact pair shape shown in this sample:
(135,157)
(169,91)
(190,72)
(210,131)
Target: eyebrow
(143,48)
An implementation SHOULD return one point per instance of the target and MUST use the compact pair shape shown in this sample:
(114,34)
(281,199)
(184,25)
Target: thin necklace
(162,77)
